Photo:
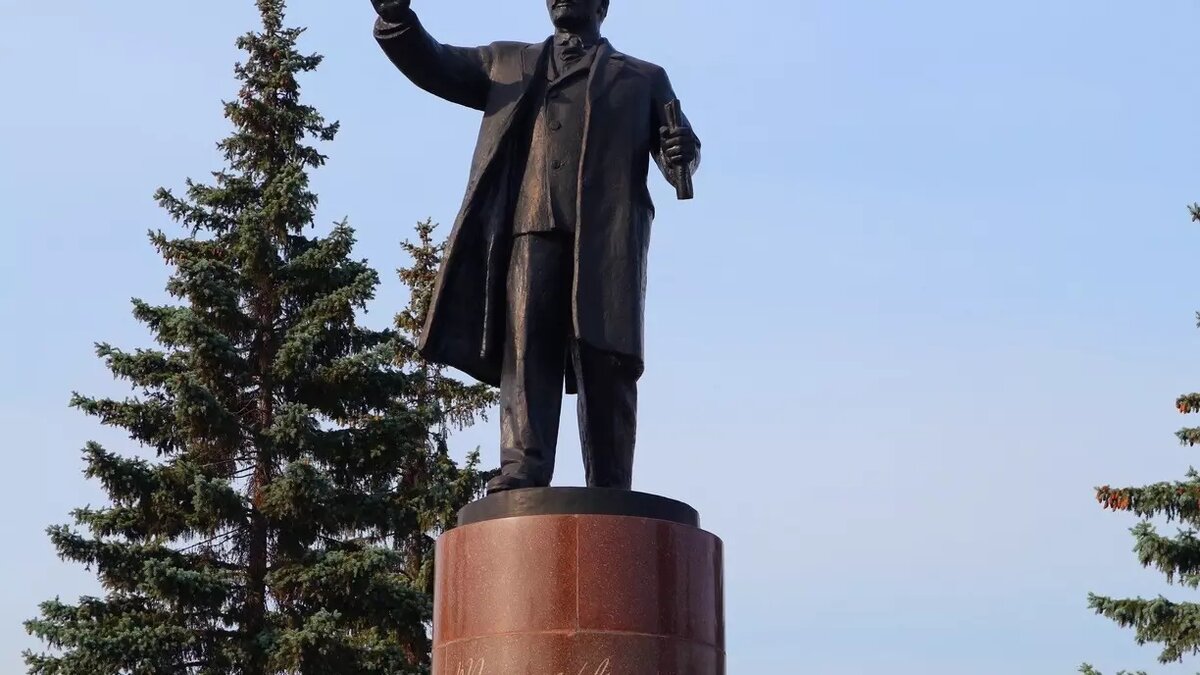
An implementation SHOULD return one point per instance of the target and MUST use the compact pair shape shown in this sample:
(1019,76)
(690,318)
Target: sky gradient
(934,288)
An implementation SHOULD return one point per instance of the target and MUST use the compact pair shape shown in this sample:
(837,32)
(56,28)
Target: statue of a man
(544,276)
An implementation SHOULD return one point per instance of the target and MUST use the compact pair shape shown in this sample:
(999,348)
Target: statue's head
(577,14)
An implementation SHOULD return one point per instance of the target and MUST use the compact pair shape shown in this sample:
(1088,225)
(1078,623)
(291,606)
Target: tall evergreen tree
(452,404)
(457,404)
(1173,625)
(281,429)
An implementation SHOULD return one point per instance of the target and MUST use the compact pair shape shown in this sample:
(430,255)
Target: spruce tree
(275,432)
(457,404)
(452,404)
(1173,625)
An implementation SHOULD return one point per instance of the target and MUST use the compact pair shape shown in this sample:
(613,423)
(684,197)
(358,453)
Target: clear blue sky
(937,284)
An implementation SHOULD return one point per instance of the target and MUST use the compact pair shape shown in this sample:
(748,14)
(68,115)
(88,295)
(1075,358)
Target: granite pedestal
(578,581)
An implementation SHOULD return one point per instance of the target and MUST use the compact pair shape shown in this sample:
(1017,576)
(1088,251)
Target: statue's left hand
(679,145)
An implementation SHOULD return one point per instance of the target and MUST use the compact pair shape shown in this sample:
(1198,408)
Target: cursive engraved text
(479,667)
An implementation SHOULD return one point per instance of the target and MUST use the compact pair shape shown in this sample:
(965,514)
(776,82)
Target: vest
(549,187)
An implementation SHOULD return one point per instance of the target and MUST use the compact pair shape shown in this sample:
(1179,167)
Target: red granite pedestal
(576,581)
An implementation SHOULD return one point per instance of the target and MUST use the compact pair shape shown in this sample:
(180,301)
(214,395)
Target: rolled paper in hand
(683,174)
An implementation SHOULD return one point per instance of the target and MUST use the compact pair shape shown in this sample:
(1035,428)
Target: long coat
(624,111)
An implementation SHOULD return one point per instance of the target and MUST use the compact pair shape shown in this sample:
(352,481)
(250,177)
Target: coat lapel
(607,67)
(533,61)
(494,131)
(603,76)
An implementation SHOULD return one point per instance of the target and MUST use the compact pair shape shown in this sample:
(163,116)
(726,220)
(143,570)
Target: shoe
(506,482)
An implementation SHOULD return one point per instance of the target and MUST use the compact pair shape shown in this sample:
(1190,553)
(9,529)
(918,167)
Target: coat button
(555,125)
(556,164)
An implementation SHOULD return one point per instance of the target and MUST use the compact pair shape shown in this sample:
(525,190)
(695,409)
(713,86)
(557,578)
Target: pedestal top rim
(577,501)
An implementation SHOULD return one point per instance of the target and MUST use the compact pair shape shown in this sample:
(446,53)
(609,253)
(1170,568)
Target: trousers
(538,347)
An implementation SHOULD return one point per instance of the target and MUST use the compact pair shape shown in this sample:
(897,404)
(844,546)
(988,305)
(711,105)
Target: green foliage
(291,456)
(1175,626)
(451,403)
(457,404)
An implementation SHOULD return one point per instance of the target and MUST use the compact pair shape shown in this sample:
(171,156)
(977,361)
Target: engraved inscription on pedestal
(479,667)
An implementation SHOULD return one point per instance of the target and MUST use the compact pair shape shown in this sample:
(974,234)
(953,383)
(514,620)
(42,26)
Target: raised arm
(671,147)
(461,75)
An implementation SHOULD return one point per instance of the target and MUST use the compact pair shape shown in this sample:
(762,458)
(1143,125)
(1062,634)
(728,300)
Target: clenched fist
(392,11)
(679,145)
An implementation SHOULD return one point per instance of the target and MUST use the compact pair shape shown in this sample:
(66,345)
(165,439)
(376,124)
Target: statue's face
(575,13)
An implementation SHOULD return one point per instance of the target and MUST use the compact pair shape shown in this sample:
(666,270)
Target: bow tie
(571,48)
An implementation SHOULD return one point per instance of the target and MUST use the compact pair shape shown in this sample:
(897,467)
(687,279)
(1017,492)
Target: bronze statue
(544,276)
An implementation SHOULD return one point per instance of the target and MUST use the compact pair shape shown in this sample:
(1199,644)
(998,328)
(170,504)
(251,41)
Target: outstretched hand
(679,145)
(391,10)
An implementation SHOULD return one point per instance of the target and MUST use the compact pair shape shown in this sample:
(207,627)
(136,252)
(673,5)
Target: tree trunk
(257,559)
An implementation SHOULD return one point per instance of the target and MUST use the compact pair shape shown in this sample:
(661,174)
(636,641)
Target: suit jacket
(626,98)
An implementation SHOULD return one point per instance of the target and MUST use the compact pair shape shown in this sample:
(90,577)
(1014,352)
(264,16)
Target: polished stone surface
(506,576)
(579,594)
(645,576)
